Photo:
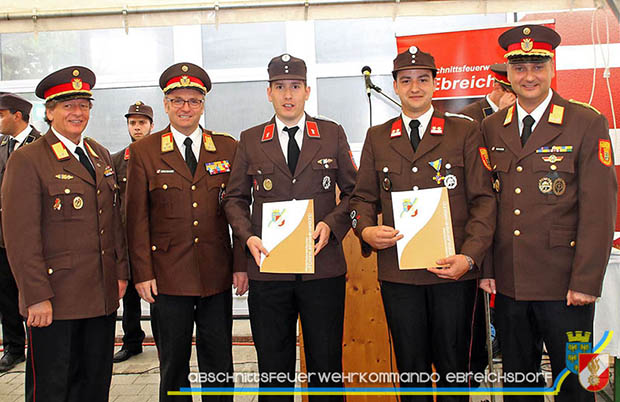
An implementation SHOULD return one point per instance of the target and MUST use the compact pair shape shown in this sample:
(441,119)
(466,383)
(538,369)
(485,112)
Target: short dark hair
(25,116)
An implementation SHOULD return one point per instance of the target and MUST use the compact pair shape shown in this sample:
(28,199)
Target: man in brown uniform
(501,96)
(140,124)
(14,117)
(294,156)
(554,174)
(179,242)
(428,311)
(60,198)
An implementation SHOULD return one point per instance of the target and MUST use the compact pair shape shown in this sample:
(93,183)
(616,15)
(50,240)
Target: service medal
(545,185)
(267,184)
(78,202)
(450,182)
(559,186)
(387,184)
(327,182)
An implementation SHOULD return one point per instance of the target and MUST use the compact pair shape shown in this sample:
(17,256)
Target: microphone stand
(379,91)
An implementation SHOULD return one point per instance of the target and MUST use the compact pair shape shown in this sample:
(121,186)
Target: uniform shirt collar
(536,113)
(283,135)
(21,137)
(493,105)
(424,120)
(179,139)
(70,145)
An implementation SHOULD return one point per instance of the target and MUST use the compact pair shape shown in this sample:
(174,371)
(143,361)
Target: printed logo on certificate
(423,218)
(287,236)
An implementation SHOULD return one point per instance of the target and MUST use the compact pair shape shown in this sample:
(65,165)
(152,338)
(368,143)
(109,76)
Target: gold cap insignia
(77,84)
(76,73)
(527,44)
(184,69)
(184,80)
(138,103)
(527,31)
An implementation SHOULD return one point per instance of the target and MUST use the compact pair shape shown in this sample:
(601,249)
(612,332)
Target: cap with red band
(529,43)
(75,82)
(185,75)
(500,74)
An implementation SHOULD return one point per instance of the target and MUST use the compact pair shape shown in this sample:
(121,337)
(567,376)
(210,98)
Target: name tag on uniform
(218,167)
(165,171)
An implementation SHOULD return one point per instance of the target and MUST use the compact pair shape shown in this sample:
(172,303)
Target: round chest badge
(327,182)
(450,182)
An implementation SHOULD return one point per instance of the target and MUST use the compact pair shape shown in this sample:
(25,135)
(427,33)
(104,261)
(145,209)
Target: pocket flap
(562,237)
(392,166)
(259,169)
(65,188)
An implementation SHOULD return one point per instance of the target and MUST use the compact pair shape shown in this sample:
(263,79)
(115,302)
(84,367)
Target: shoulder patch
(484,157)
(604,152)
(586,105)
(224,134)
(461,116)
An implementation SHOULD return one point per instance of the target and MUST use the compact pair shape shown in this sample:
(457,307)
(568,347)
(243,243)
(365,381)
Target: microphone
(366,73)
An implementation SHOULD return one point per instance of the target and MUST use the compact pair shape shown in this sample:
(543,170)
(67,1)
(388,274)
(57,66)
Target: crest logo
(409,207)
(184,80)
(527,44)
(578,343)
(277,217)
(593,371)
(77,84)
(604,152)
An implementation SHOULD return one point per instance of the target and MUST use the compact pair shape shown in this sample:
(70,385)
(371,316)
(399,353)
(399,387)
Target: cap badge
(286,57)
(413,50)
(527,31)
(184,69)
(77,83)
(527,44)
(138,103)
(184,81)
(76,73)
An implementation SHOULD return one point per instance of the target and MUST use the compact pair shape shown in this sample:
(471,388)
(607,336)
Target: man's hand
(240,282)
(255,245)
(40,314)
(122,288)
(147,289)
(381,237)
(507,99)
(321,232)
(574,298)
(457,267)
(488,285)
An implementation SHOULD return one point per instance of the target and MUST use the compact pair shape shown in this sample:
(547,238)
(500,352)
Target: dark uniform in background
(61,199)
(556,190)
(179,241)
(429,314)
(262,174)
(490,104)
(15,133)
(133,335)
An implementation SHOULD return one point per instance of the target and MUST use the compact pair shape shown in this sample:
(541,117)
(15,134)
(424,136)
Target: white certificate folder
(423,218)
(287,236)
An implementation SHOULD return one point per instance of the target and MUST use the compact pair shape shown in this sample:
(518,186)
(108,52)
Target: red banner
(462,58)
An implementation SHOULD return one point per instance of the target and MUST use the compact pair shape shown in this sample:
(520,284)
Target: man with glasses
(181,254)
(64,239)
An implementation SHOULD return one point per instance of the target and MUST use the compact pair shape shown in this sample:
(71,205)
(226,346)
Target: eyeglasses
(178,103)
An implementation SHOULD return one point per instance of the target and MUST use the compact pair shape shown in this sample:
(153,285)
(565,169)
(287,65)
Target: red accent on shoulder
(437,124)
(484,156)
(397,128)
(313,129)
(268,132)
(126,156)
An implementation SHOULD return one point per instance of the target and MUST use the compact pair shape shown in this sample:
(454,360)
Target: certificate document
(423,218)
(287,236)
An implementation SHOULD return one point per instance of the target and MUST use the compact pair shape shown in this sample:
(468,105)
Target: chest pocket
(559,177)
(390,178)
(166,196)
(324,175)
(67,200)
(262,177)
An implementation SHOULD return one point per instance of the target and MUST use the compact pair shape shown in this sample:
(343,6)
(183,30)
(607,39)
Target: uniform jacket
(120,161)
(4,156)
(62,229)
(176,229)
(548,243)
(457,141)
(478,110)
(325,160)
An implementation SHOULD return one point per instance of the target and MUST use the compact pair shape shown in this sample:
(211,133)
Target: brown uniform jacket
(457,141)
(478,110)
(325,160)
(4,157)
(176,229)
(546,244)
(120,161)
(62,229)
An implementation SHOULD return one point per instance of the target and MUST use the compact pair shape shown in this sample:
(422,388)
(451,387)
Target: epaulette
(586,105)
(319,117)
(460,116)
(224,134)
(94,141)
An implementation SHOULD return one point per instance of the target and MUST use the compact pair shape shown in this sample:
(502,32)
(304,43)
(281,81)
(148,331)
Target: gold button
(195,240)
(553,167)
(98,191)
(195,223)
(165,187)
(195,205)
(67,191)
(102,252)
(517,190)
(517,233)
(519,169)
(517,212)
(572,243)
(154,248)
(50,271)
(124,179)
(100,211)
(193,187)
